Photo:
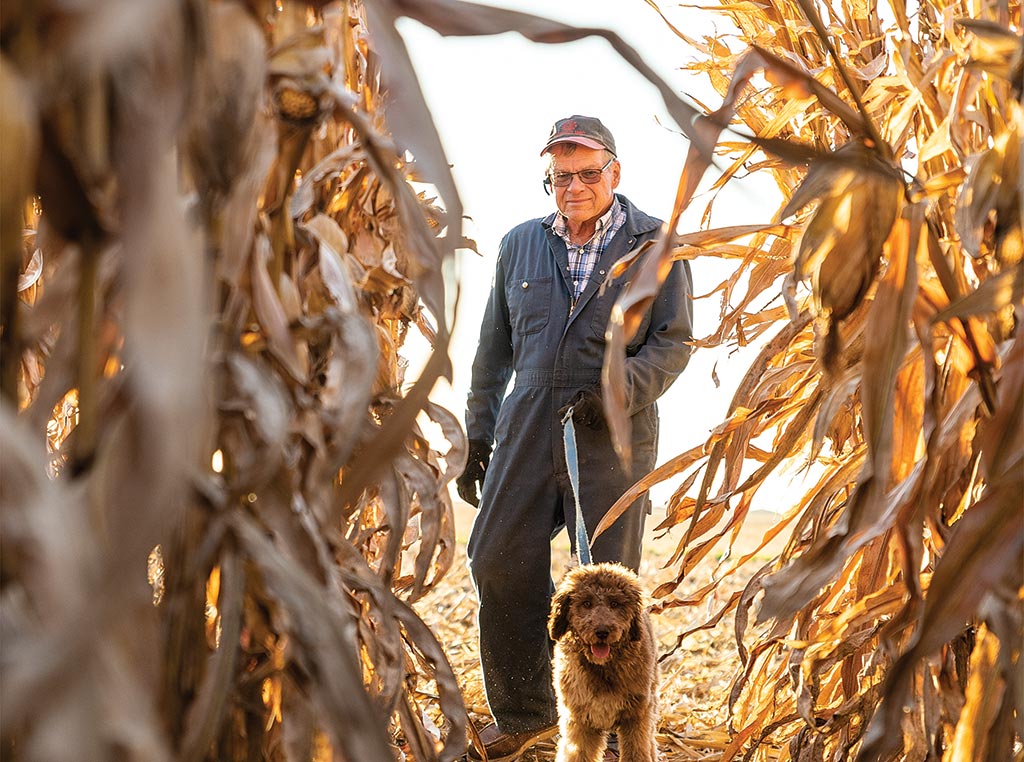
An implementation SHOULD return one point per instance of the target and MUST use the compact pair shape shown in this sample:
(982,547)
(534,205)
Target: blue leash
(572,464)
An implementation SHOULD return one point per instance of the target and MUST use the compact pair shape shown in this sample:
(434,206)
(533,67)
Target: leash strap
(572,464)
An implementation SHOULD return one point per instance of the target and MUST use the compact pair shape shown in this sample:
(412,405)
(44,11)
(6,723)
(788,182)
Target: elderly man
(545,322)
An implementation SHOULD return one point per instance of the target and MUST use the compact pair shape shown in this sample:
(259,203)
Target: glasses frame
(548,184)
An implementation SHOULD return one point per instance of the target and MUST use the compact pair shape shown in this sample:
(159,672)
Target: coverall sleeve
(665,350)
(492,365)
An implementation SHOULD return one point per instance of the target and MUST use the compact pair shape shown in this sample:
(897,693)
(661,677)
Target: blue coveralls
(530,329)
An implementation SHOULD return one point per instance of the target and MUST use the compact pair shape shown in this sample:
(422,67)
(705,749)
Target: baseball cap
(583,130)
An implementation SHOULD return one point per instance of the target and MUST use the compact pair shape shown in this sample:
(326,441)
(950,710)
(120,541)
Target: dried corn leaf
(325,636)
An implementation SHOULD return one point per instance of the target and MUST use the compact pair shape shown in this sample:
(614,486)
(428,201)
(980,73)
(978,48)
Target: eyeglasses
(563,179)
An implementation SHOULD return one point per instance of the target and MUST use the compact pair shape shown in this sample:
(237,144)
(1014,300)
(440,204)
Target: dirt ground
(695,672)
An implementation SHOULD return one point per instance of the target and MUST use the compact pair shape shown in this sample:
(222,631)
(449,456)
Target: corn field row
(212,252)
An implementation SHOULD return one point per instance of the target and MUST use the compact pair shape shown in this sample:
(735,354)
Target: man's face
(579,202)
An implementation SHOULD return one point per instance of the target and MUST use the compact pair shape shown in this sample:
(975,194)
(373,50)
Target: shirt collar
(561,223)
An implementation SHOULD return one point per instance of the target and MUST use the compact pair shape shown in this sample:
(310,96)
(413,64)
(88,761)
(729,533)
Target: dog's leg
(636,741)
(580,743)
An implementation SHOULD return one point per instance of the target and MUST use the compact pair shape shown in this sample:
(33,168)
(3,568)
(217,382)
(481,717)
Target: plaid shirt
(582,258)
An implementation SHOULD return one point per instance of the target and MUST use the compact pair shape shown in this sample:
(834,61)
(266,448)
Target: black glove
(473,475)
(587,408)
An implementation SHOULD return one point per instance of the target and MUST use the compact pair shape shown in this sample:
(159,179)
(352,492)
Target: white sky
(494,100)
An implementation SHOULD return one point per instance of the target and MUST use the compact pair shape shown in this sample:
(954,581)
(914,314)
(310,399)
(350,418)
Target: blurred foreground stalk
(200,334)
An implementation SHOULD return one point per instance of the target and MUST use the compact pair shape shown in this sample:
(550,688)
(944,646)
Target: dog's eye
(613,604)
(587,604)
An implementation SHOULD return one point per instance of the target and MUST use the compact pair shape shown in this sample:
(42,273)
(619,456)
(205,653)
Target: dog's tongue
(600,650)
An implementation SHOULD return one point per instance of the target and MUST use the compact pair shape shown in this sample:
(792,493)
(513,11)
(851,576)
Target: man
(545,322)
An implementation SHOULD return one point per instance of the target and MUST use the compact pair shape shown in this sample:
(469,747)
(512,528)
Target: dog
(606,667)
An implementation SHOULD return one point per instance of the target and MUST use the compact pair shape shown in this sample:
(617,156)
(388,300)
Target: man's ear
(558,620)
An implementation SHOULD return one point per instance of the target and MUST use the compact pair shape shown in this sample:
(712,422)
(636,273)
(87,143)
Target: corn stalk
(201,353)
(890,626)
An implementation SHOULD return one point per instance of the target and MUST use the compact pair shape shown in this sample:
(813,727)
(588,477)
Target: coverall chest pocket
(602,306)
(529,305)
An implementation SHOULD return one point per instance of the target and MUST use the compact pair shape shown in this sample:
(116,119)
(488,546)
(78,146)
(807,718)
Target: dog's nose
(602,633)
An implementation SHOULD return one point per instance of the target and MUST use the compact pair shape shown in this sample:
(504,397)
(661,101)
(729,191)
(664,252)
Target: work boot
(503,747)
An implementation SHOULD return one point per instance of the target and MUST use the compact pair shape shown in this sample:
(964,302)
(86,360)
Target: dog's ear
(636,625)
(558,620)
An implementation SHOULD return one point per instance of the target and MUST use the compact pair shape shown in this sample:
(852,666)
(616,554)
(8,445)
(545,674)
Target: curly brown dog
(606,670)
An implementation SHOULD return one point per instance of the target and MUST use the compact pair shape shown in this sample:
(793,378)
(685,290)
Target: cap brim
(578,140)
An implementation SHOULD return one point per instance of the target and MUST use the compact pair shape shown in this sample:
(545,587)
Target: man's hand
(587,408)
(471,482)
